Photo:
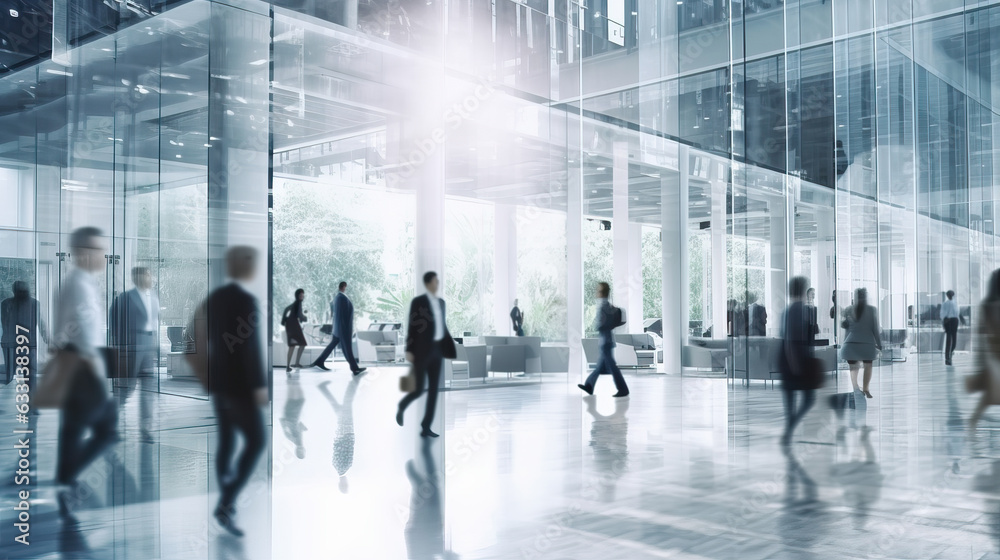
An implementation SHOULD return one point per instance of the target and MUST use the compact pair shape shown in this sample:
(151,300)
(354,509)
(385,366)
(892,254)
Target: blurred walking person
(949,320)
(811,310)
(796,358)
(292,318)
(237,379)
(134,324)
(22,310)
(986,378)
(79,331)
(428,343)
(863,340)
(609,317)
(342,311)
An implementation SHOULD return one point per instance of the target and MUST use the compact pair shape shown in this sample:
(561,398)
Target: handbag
(57,376)
(408,382)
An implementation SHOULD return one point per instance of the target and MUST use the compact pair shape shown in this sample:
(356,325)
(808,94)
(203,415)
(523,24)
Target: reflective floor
(685,468)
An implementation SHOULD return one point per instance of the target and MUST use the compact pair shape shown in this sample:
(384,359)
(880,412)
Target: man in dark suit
(758,316)
(517,318)
(133,322)
(21,310)
(342,311)
(237,379)
(606,362)
(428,342)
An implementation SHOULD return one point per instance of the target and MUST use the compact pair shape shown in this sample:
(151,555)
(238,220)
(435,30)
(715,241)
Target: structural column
(719,270)
(574,270)
(673,208)
(504,266)
(626,286)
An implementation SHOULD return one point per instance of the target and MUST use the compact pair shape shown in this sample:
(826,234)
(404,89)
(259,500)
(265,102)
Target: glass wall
(156,136)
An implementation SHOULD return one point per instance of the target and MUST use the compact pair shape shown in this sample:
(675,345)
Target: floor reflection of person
(424,532)
(861,477)
(343,442)
(609,441)
(291,425)
(801,507)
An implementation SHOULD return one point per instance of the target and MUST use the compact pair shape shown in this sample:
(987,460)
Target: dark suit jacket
(797,334)
(342,311)
(128,317)
(758,320)
(604,326)
(420,329)
(26,313)
(235,355)
(516,317)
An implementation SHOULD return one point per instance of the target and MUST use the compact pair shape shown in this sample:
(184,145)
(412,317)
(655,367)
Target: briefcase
(408,382)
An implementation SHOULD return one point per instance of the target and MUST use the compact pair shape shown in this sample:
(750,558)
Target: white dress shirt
(949,309)
(438,316)
(147,303)
(79,317)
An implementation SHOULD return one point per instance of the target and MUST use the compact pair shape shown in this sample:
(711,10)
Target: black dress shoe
(425,433)
(399,417)
(321,366)
(586,389)
(226,522)
(359,370)
(620,394)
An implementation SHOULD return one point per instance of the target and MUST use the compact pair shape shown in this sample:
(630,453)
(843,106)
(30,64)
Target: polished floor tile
(687,468)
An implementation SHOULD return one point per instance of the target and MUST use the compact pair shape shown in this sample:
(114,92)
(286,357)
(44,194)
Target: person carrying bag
(800,370)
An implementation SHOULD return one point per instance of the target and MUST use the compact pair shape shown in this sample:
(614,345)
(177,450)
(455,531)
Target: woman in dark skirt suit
(863,341)
(292,319)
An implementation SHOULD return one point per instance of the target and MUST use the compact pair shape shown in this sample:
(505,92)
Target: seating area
(705,354)
(637,351)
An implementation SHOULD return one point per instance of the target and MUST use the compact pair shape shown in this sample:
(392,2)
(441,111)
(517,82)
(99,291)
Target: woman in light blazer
(863,340)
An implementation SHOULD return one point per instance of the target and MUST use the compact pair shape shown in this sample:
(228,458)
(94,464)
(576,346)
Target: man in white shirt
(949,320)
(134,326)
(428,342)
(79,330)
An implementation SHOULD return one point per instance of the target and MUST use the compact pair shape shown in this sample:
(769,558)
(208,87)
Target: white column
(429,242)
(673,208)
(634,314)
(574,271)
(624,281)
(504,266)
(778,261)
(719,271)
